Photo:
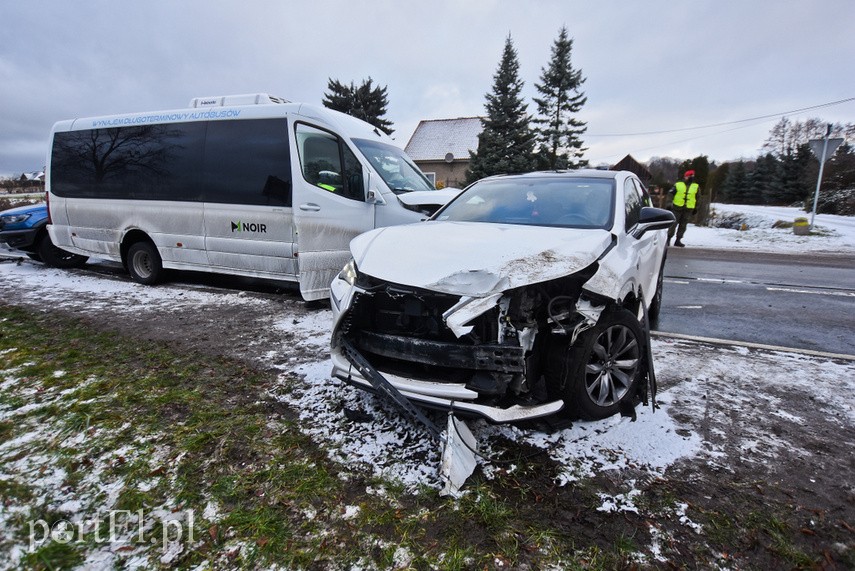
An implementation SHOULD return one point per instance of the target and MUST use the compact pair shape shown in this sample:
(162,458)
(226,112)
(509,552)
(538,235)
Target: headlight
(14,218)
(349,273)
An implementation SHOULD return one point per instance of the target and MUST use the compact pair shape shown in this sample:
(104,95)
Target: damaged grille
(513,352)
(401,331)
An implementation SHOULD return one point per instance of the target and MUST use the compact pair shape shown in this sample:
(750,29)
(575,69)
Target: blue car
(24,229)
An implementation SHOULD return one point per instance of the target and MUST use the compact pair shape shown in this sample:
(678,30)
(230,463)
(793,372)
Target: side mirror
(372,195)
(652,218)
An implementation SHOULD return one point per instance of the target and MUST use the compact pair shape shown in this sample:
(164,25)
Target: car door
(330,207)
(247,198)
(648,249)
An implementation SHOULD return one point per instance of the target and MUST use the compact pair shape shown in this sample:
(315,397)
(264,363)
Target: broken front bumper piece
(458,444)
(444,396)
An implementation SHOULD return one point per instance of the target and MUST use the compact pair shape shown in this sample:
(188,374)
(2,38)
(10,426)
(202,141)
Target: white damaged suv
(524,295)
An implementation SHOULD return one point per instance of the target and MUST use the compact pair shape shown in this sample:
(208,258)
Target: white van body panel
(250,239)
(305,240)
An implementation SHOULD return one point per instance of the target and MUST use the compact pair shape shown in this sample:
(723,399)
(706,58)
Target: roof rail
(229,100)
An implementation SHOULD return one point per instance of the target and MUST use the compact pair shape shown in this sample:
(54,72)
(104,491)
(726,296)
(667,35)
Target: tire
(656,304)
(57,257)
(144,263)
(603,367)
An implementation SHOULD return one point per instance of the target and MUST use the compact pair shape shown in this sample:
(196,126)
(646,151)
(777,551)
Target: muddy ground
(771,487)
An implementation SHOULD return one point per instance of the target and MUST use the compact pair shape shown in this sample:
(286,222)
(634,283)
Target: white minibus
(248,185)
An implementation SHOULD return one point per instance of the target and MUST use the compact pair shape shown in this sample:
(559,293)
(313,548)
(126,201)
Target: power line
(669,143)
(726,123)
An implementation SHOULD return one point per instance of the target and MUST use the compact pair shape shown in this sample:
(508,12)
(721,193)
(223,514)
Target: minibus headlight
(349,273)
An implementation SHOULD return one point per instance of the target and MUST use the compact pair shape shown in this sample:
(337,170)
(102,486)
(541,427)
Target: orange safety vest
(685,196)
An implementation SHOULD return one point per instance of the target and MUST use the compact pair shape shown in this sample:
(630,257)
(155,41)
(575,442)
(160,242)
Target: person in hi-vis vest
(684,205)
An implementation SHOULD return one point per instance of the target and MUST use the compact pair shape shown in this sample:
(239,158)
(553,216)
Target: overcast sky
(650,65)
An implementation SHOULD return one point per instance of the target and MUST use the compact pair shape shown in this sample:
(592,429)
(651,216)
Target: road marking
(731,342)
(690,307)
(720,281)
(816,292)
(784,288)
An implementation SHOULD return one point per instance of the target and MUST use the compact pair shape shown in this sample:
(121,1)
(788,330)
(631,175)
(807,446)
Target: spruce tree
(795,179)
(506,143)
(736,184)
(365,102)
(559,132)
(762,180)
(716,183)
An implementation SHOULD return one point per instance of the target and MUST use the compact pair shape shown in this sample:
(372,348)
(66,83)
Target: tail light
(47,203)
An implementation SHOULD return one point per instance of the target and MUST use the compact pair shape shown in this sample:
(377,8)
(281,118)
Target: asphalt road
(788,300)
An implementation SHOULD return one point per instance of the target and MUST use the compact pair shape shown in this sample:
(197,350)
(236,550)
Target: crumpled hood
(475,259)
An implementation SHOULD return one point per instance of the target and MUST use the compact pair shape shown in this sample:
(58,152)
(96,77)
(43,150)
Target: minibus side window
(247,162)
(150,162)
(328,164)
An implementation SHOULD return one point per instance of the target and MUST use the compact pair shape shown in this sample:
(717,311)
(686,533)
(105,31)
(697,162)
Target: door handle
(310,207)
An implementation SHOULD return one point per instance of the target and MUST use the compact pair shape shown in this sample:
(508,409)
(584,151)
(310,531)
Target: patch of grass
(486,508)
(458,558)
(208,414)
(13,489)
(7,429)
(596,558)
(721,528)
(53,556)
(132,499)
(780,538)
(764,527)
(11,401)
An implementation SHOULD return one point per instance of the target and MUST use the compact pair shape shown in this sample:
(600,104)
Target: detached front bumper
(444,396)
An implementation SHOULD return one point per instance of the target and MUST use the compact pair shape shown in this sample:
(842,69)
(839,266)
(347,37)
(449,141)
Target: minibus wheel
(144,263)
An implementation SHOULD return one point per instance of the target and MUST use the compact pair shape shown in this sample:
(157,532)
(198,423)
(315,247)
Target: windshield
(395,167)
(562,202)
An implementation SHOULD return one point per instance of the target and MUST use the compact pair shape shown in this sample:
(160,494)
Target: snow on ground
(54,287)
(831,233)
(394,449)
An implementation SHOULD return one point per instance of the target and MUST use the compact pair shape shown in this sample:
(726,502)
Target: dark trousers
(683,215)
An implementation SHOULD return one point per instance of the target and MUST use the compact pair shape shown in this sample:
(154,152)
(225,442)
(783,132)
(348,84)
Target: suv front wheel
(603,366)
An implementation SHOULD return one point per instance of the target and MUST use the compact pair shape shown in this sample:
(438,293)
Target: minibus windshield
(394,166)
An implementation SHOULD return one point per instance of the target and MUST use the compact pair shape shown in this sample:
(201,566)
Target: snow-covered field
(700,385)
(831,233)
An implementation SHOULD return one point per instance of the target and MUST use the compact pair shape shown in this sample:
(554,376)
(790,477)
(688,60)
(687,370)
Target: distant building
(657,194)
(32,176)
(440,147)
(630,164)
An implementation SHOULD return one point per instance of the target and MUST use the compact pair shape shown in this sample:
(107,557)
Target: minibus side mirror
(372,196)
